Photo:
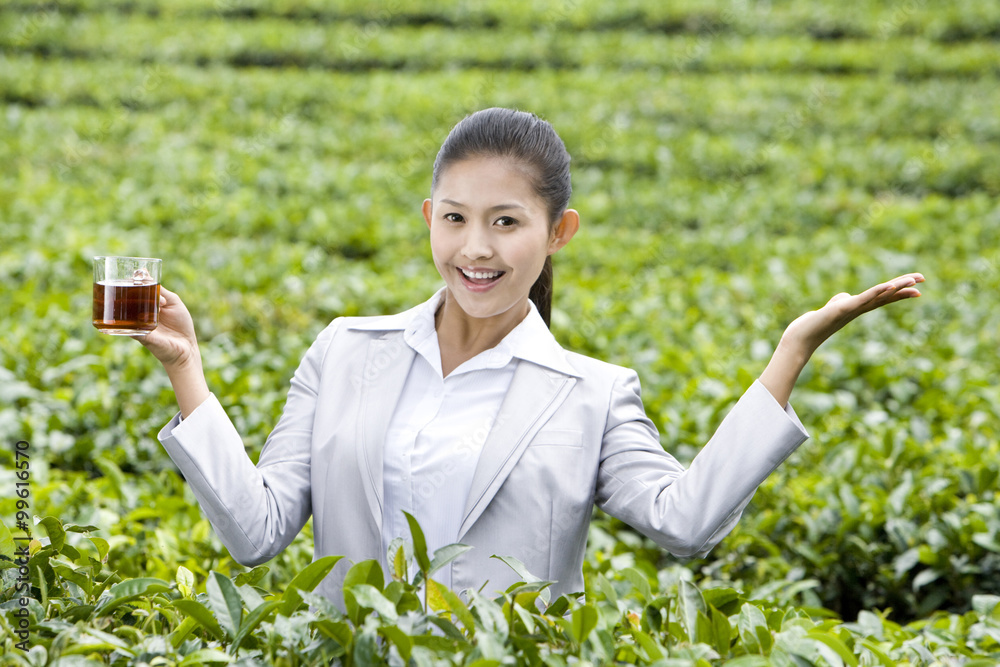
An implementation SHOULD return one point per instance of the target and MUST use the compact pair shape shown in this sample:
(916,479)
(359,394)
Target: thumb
(166,296)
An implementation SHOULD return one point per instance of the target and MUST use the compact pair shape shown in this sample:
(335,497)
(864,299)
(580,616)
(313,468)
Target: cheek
(439,243)
(532,254)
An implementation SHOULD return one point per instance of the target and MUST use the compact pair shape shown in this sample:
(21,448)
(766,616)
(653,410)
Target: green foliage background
(734,163)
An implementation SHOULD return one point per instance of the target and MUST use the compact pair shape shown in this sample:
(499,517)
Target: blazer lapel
(383,375)
(535,393)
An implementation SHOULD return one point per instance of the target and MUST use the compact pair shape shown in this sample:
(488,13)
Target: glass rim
(147,259)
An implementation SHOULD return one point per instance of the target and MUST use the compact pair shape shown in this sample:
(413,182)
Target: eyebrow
(498,207)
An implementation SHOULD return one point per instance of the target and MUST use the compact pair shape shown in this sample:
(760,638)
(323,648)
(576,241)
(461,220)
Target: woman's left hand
(810,330)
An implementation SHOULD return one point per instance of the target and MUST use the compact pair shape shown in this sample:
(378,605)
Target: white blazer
(571,433)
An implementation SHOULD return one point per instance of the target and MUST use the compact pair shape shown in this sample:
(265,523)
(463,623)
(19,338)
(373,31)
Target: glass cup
(126,295)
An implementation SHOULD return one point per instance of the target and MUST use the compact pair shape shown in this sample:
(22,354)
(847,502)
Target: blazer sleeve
(688,512)
(256,510)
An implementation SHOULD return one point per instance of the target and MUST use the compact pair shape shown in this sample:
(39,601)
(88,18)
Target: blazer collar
(530,340)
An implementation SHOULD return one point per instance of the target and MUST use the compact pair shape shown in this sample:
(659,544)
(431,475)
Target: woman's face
(490,234)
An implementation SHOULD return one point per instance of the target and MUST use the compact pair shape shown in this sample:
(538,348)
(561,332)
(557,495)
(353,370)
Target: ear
(426,209)
(564,230)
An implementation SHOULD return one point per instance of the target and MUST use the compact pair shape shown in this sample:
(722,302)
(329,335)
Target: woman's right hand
(173,341)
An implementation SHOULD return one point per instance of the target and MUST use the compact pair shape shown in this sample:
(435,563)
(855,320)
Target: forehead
(481,180)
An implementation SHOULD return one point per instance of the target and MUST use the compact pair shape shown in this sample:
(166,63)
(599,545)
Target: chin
(478,306)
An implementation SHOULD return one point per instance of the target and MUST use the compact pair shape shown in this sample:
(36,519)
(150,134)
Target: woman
(465,412)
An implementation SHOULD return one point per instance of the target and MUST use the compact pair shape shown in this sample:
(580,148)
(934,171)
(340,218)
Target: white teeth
(481,276)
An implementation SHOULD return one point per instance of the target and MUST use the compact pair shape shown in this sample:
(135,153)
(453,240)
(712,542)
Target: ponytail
(522,136)
(541,292)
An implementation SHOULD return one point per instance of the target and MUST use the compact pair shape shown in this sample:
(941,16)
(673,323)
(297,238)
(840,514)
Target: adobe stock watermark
(369,30)
(31,24)
(594,147)
(244,147)
(913,169)
(467,448)
(20,616)
(554,16)
(901,13)
(729,17)
(385,358)
(789,124)
(421,157)
(77,149)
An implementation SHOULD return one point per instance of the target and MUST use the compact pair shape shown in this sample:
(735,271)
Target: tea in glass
(126,295)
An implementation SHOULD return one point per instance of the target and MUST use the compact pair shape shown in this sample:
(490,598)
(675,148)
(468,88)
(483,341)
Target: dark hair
(526,138)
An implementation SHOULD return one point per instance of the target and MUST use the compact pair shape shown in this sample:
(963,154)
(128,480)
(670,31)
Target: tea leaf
(445,555)
(6,542)
(518,567)
(693,609)
(398,552)
(834,643)
(583,623)
(306,580)
(225,602)
(54,529)
(252,577)
(102,548)
(753,630)
(419,544)
(367,595)
(185,581)
(198,612)
(130,589)
(253,619)
(399,638)
(205,655)
(653,652)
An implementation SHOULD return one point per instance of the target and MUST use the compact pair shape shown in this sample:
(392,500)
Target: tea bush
(82,612)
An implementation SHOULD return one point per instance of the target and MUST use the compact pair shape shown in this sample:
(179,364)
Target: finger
(875,291)
(907,293)
(906,280)
(893,286)
(892,296)
(168,298)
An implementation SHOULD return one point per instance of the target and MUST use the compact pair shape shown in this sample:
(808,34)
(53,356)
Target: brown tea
(121,306)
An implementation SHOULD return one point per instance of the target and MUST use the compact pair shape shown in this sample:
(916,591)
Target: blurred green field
(734,164)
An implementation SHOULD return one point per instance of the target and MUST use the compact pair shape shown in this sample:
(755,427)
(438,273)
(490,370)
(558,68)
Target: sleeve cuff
(788,409)
(204,414)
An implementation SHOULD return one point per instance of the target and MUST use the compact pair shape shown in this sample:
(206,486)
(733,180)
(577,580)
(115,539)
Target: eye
(506,221)
(453,217)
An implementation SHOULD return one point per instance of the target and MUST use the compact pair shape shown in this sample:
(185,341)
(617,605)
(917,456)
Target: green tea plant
(82,612)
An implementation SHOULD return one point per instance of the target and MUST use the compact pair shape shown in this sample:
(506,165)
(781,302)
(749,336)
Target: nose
(476,242)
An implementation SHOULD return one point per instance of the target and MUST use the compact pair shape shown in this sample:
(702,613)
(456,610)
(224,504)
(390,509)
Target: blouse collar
(530,340)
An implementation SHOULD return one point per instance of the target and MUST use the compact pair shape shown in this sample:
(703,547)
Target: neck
(460,332)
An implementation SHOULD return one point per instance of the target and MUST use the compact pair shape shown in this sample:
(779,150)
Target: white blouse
(439,426)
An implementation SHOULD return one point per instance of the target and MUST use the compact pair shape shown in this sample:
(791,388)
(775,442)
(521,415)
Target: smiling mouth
(481,278)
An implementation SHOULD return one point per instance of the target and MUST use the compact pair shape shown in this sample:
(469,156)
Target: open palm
(814,327)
